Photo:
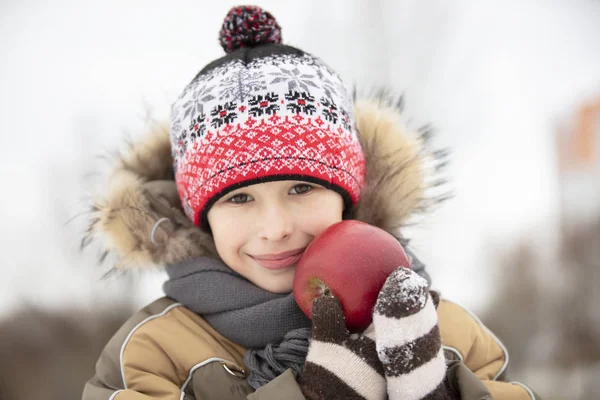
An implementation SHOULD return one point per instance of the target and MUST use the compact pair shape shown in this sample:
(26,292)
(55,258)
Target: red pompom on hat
(248,26)
(263,112)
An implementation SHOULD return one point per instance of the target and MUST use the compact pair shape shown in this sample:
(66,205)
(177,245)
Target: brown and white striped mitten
(340,365)
(408,338)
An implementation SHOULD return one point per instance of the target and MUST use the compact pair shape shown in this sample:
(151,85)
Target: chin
(277,287)
(280,282)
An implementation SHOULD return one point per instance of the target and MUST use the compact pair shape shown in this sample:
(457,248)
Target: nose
(276,222)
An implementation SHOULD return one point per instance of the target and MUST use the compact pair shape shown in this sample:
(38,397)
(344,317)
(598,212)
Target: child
(265,152)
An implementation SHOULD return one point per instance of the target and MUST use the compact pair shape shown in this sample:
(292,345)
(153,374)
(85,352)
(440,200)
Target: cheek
(321,218)
(230,246)
(321,224)
(227,234)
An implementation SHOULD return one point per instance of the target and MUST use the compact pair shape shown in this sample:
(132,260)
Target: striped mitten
(408,339)
(340,365)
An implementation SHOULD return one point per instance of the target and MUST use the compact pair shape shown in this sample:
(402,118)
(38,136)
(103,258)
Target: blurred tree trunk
(551,326)
(50,355)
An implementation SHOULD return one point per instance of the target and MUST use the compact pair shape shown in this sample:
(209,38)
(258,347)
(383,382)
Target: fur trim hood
(138,218)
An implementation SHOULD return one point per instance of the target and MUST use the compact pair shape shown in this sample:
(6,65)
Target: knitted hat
(263,112)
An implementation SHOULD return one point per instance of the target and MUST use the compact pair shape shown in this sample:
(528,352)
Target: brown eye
(301,188)
(239,198)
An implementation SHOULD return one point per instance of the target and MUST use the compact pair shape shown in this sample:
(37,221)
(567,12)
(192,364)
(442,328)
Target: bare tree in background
(551,326)
(50,355)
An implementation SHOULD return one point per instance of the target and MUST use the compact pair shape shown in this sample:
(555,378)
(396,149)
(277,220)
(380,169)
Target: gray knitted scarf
(270,325)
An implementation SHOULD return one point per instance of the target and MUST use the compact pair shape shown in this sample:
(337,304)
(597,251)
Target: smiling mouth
(281,255)
(280,263)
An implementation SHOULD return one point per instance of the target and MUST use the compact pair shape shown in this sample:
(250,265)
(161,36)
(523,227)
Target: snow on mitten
(340,365)
(408,338)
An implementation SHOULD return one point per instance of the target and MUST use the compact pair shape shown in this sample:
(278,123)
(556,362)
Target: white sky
(495,78)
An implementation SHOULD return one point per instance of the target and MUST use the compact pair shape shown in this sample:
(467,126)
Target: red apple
(351,260)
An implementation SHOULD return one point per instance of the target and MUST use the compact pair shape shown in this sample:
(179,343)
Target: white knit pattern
(236,86)
(405,344)
(393,332)
(349,367)
(418,383)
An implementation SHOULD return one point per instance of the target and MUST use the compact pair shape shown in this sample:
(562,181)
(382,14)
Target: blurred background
(511,87)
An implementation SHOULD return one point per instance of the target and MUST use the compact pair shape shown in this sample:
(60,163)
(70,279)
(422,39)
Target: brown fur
(142,191)
(124,216)
(394,182)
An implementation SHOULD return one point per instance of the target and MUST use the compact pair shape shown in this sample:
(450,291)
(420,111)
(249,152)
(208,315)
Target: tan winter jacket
(166,351)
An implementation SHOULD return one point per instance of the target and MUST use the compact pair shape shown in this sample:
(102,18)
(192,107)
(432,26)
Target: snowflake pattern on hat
(279,115)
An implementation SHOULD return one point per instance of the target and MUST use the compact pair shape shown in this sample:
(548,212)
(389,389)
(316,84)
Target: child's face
(267,219)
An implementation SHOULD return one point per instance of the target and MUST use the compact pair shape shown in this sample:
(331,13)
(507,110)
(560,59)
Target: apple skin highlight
(350,260)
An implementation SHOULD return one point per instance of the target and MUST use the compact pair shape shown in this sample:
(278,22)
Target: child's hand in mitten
(408,338)
(340,365)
